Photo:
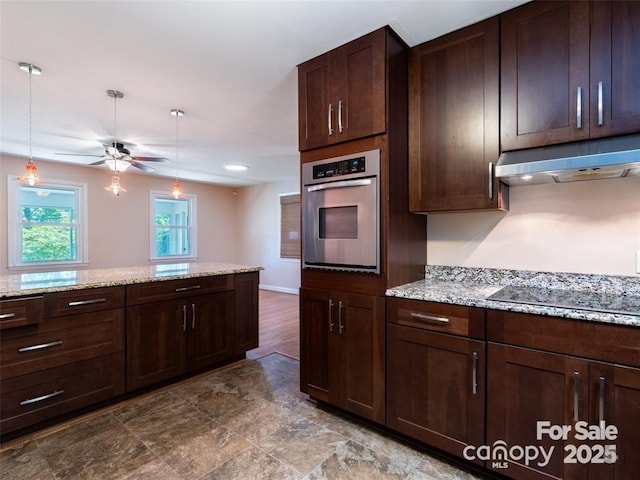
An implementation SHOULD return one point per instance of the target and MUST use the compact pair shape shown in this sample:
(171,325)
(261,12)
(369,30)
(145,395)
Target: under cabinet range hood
(572,162)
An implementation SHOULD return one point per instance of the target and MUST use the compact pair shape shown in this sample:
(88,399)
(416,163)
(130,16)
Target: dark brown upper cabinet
(453,121)
(570,71)
(342,94)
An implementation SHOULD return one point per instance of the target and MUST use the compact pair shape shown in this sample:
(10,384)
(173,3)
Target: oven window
(339,222)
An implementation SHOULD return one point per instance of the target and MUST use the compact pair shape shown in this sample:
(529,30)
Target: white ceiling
(230,65)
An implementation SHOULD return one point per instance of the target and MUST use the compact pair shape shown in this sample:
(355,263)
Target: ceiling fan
(117,157)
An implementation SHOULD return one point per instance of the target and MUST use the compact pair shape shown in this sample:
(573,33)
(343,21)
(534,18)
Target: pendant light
(115,185)
(176,189)
(30,176)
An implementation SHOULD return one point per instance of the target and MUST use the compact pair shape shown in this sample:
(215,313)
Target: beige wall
(259,235)
(582,227)
(119,226)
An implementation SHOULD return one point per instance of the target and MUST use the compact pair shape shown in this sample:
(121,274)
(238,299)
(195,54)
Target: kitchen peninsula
(78,338)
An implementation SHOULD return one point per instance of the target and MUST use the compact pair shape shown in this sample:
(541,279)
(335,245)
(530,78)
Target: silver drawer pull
(474,374)
(429,318)
(40,347)
(40,399)
(576,396)
(4,316)
(80,303)
(186,289)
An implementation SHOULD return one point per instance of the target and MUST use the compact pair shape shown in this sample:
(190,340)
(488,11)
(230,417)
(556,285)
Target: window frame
(192,228)
(14,224)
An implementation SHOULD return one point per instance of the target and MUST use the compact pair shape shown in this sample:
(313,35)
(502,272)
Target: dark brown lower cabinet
(528,386)
(435,387)
(246,312)
(342,350)
(166,339)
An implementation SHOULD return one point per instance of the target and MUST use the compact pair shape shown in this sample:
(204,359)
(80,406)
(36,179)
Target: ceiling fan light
(117,165)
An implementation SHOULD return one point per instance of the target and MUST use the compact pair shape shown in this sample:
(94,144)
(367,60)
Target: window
(47,224)
(290,226)
(173,231)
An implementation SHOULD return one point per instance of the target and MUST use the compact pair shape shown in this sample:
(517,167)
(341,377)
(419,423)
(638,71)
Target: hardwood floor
(279,320)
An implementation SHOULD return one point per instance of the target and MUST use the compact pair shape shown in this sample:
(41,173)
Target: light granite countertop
(21,284)
(472,286)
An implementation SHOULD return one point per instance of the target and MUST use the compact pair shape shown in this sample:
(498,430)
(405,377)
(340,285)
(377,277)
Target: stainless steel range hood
(587,160)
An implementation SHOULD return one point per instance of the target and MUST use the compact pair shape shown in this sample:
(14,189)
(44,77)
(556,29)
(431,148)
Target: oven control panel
(339,168)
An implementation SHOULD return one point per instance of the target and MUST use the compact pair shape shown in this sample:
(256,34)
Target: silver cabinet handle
(41,398)
(4,316)
(576,396)
(186,289)
(331,324)
(601,385)
(340,127)
(184,318)
(80,303)
(490,180)
(600,103)
(193,316)
(329,120)
(474,374)
(579,107)
(429,318)
(40,346)
(340,323)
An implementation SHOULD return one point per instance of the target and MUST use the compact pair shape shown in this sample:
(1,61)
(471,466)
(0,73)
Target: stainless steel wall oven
(341,213)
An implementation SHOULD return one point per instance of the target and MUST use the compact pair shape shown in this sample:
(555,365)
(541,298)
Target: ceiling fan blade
(99,162)
(150,159)
(80,154)
(142,167)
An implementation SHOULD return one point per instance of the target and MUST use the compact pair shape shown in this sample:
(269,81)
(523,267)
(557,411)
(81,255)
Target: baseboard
(274,288)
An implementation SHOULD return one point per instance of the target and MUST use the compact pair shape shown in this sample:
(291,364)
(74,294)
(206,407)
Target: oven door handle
(361,182)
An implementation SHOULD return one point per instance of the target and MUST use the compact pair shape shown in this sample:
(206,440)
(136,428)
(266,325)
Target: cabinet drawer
(170,289)
(60,341)
(30,399)
(438,317)
(599,341)
(21,312)
(82,301)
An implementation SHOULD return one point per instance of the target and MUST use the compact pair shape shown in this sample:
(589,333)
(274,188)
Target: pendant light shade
(176,189)
(115,185)
(30,176)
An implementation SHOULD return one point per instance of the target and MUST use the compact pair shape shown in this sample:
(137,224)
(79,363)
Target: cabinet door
(246,312)
(156,346)
(209,329)
(316,321)
(545,70)
(358,86)
(314,112)
(614,397)
(356,362)
(342,94)
(525,387)
(453,127)
(436,387)
(615,68)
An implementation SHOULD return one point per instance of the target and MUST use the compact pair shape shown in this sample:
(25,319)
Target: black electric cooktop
(550,297)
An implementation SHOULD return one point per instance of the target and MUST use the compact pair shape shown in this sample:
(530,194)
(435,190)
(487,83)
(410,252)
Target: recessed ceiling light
(526,178)
(236,168)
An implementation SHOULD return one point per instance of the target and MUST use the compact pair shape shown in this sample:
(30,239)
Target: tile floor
(244,422)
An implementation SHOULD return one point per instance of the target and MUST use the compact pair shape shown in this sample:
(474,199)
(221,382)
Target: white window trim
(14,261)
(153,194)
